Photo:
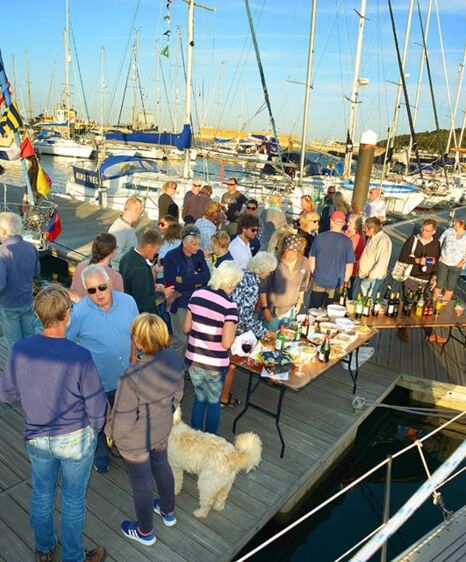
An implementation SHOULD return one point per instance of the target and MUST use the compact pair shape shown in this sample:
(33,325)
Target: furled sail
(181,140)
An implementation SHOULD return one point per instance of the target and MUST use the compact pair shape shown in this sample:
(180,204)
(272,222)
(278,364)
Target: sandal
(232,403)
(434,338)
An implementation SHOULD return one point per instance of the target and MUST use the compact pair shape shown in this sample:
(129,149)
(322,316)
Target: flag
(2,95)
(27,150)
(164,51)
(43,183)
(53,230)
(10,120)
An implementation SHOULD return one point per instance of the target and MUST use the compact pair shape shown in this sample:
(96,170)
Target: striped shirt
(210,310)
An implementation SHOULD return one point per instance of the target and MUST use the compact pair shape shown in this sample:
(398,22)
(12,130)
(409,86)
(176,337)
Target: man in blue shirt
(101,323)
(185,268)
(331,261)
(63,404)
(19,264)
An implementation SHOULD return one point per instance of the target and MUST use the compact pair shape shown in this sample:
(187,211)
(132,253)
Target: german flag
(10,120)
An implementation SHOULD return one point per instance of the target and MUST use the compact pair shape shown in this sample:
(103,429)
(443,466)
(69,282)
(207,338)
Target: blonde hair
(275,200)
(307,218)
(340,203)
(212,210)
(51,304)
(262,262)
(225,277)
(276,241)
(150,333)
(221,238)
(310,202)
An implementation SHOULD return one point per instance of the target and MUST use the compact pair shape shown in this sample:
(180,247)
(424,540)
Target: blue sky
(282,28)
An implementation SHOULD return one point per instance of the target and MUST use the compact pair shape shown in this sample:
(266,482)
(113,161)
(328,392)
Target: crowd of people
(146,312)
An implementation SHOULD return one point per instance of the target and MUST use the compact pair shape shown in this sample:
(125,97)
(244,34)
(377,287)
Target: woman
(167,205)
(246,296)
(103,250)
(452,259)
(165,222)
(272,219)
(220,242)
(355,232)
(211,321)
(171,239)
(307,205)
(308,228)
(338,204)
(276,242)
(141,421)
(282,295)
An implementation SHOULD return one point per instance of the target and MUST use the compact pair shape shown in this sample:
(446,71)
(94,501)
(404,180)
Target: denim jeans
(17,323)
(141,475)
(72,455)
(208,386)
(366,285)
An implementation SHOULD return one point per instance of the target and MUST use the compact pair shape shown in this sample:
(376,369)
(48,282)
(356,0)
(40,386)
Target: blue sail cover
(181,140)
(220,140)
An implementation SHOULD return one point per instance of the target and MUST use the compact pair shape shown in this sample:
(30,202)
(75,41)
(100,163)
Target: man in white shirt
(375,207)
(248,227)
(123,230)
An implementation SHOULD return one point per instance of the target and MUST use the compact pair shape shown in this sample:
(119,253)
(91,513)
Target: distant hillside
(427,140)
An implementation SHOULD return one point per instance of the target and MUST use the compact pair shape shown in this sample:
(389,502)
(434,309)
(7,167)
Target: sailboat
(52,142)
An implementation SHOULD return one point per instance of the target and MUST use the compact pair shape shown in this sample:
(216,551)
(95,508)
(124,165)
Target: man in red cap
(331,261)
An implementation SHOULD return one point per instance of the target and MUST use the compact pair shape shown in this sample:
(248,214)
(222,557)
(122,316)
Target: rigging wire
(124,92)
(166,91)
(80,75)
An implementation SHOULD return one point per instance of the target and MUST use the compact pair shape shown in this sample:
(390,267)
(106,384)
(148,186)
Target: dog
(215,460)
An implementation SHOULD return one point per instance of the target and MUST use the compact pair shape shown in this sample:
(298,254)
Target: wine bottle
(376,306)
(297,332)
(344,295)
(391,305)
(305,330)
(324,352)
(280,341)
(360,306)
(397,305)
(408,303)
(368,304)
(387,293)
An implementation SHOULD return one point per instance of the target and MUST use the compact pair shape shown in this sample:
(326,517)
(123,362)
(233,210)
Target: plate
(328,327)
(317,312)
(345,323)
(337,351)
(316,339)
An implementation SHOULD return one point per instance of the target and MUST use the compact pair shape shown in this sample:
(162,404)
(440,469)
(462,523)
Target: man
(101,323)
(194,203)
(185,268)
(248,227)
(373,264)
(331,260)
(208,225)
(63,404)
(19,264)
(375,207)
(138,279)
(232,202)
(327,209)
(123,229)
(422,252)
(252,208)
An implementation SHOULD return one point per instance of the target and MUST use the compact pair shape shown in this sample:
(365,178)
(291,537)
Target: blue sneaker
(131,530)
(169,519)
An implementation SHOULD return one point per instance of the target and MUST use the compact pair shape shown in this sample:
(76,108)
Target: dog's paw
(219,506)
(200,513)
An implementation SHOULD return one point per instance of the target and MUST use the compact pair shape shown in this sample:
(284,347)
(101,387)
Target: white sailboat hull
(63,147)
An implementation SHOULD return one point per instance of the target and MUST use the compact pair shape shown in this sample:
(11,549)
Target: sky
(226,82)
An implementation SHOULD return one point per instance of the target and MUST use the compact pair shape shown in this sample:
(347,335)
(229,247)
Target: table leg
(277,418)
(246,403)
(451,336)
(354,375)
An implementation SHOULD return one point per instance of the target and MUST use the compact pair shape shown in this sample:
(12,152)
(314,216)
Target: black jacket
(430,250)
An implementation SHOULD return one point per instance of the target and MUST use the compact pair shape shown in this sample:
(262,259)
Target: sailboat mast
(176,98)
(392,130)
(102,88)
(189,79)
(455,106)
(134,77)
(460,141)
(310,54)
(28,84)
(67,67)
(419,83)
(354,91)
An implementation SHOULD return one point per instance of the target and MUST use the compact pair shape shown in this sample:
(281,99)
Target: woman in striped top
(211,322)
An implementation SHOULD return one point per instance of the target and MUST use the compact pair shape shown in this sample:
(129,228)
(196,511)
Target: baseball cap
(338,216)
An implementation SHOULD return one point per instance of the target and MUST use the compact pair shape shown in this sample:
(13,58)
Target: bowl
(345,323)
(328,327)
(336,310)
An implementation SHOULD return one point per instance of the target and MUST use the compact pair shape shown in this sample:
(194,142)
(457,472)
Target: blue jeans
(17,323)
(101,453)
(366,285)
(208,386)
(72,455)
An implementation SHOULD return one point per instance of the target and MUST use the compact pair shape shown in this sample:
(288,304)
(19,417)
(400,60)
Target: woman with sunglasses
(167,205)
(103,250)
(308,228)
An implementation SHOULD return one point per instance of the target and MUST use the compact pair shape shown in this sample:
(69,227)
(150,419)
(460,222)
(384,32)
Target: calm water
(331,532)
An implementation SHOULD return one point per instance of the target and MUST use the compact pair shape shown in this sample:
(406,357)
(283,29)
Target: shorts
(447,276)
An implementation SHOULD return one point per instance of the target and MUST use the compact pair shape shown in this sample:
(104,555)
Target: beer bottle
(324,352)
(280,341)
(305,331)
(297,332)
(387,293)
(368,304)
(359,306)
(408,303)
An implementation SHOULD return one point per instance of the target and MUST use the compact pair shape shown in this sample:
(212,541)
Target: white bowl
(345,323)
(336,311)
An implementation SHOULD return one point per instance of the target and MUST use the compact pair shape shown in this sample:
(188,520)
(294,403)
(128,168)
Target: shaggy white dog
(213,459)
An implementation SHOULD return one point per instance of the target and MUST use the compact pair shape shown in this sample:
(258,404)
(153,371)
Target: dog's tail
(249,451)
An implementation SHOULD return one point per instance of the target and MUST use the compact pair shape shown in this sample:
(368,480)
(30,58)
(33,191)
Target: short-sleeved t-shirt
(375,209)
(210,310)
(233,202)
(332,251)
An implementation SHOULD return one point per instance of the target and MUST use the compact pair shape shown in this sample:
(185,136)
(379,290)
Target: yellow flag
(42,184)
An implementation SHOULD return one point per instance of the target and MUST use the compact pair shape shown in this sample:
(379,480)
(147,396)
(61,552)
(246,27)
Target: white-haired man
(19,264)
(123,229)
(375,206)
(101,323)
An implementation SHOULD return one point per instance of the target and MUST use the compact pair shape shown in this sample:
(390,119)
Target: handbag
(401,270)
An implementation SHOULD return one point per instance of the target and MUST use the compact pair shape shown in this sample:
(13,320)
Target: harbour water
(335,529)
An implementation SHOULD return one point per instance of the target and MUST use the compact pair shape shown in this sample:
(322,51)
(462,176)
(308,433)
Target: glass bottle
(324,352)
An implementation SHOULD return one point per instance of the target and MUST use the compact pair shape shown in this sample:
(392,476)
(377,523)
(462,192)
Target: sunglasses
(231,184)
(101,288)
(197,184)
(253,229)
(162,224)
(251,208)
